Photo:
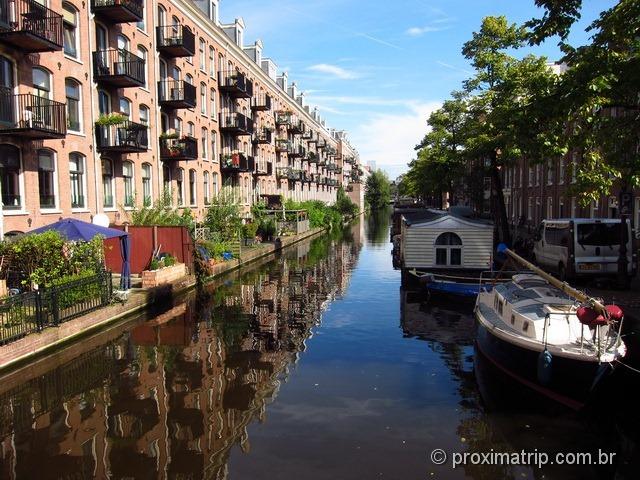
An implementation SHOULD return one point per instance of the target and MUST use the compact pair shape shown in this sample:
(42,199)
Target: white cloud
(333,70)
(389,139)
(418,31)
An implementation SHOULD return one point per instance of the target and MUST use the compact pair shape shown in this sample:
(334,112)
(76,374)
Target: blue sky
(376,69)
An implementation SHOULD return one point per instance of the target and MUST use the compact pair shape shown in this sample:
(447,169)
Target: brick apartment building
(106,104)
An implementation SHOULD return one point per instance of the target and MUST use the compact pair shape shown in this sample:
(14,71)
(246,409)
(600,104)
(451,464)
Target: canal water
(314,364)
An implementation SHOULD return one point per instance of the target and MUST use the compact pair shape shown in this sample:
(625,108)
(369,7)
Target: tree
(600,98)
(503,121)
(377,190)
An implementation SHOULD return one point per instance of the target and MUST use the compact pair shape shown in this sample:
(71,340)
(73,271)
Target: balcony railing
(118,67)
(125,137)
(119,11)
(176,40)
(185,148)
(263,167)
(30,26)
(236,163)
(296,151)
(282,145)
(263,136)
(235,84)
(261,103)
(297,126)
(235,123)
(31,116)
(282,172)
(283,118)
(176,94)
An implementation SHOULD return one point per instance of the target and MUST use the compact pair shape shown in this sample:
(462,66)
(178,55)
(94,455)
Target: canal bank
(31,346)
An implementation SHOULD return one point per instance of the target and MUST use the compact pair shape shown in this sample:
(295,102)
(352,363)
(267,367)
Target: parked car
(583,247)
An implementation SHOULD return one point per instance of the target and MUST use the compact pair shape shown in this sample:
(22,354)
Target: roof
(430,215)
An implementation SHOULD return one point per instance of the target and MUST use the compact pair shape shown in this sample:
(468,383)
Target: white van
(578,247)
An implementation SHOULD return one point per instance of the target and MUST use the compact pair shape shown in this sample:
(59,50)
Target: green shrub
(249,230)
(267,228)
(223,215)
(72,295)
(169,261)
(154,265)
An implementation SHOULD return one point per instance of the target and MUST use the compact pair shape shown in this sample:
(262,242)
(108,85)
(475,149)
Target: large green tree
(377,190)
(599,96)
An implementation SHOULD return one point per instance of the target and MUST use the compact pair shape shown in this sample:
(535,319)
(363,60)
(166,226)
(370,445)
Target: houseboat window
(525,326)
(448,249)
(513,319)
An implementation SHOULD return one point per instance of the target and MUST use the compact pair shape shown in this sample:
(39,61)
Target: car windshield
(600,234)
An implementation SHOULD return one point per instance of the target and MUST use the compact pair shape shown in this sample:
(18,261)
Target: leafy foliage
(46,257)
(161,213)
(377,190)
(223,215)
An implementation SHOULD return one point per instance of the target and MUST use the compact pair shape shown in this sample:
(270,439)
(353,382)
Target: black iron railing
(176,40)
(263,135)
(236,162)
(185,148)
(124,137)
(235,84)
(177,92)
(263,167)
(35,116)
(31,312)
(283,118)
(119,66)
(282,145)
(261,102)
(30,26)
(236,123)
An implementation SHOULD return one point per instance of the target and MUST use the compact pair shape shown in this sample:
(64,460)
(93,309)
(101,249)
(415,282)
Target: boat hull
(571,381)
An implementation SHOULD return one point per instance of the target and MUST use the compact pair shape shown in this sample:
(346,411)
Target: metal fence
(31,312)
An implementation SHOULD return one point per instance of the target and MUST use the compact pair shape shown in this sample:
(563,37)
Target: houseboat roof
(431,215)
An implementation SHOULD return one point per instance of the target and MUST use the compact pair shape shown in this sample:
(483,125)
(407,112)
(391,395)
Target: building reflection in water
(171,396)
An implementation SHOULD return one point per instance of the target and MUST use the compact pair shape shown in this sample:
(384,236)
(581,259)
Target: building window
(574,166)
(127,177)
(76,176)
(448,249)
(146,184)
(204,140)
(203,58)
(46,179)
(538,174)
(212,65)
(125,107)
(142,23)
(212,103)
(562,170)
(530,208)
(191,129)
(72,91)
(41,83)
(104,102)
(213,147)
(215,183)
(561,213)
(70,26)
(530,175)
(573,208)
(206,191)
(177,125)
(166,182)
(192,187)
(143,113)
(594,209)
(142,53)
(550,167)
(549,208)
(203,99)
(188,78)
(180,185)
(107,183)
(10,172)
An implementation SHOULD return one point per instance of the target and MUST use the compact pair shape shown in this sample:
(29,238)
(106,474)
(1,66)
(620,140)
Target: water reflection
(170,397)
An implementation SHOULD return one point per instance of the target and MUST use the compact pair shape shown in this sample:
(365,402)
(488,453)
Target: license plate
(589,266)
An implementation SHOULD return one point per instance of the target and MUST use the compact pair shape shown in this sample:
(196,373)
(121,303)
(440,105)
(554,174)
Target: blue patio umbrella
(75,230)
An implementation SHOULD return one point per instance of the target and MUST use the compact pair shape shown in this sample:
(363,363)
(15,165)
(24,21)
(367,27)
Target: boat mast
(563,286)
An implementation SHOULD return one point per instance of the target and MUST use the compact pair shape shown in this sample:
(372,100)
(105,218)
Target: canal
(314,364)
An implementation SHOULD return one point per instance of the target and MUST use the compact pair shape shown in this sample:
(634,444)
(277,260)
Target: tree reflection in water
(175,393)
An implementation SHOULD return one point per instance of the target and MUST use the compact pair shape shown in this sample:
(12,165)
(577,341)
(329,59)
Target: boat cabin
(437,240)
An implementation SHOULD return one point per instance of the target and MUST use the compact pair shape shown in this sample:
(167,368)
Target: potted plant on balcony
(169,135)
(107,119)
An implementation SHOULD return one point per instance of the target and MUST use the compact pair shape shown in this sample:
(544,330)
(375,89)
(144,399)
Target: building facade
(105,105)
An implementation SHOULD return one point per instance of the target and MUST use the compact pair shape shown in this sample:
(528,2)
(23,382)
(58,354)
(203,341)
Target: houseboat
(446,251)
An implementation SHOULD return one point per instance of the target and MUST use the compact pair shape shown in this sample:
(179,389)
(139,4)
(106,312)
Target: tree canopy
(377,190)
